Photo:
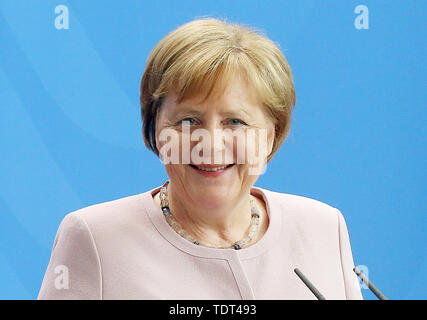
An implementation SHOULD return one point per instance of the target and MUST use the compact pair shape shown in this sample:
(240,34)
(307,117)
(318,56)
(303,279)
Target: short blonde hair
(204,53)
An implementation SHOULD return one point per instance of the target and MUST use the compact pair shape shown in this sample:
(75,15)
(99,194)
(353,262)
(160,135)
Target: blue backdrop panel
(70,127)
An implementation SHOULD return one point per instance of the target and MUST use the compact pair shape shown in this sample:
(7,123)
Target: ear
(158,111)
(270,137)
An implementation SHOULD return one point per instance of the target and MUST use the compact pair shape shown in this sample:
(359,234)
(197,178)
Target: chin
(213,195)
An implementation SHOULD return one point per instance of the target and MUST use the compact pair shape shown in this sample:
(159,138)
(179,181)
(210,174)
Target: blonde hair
(203,54)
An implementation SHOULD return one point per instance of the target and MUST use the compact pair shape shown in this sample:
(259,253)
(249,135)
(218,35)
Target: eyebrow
(188,111)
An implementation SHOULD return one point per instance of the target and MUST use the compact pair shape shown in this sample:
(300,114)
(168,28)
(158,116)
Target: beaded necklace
(178,229)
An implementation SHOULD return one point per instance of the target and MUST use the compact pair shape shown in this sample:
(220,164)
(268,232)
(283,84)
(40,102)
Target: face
(210,164)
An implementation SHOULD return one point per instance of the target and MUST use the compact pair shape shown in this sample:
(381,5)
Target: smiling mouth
(212,169)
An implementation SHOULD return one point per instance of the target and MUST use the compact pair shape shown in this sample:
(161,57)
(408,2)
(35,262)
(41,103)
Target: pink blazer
(125,249)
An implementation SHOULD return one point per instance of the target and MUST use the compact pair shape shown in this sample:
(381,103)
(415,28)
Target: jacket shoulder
(112,215)
(304,209)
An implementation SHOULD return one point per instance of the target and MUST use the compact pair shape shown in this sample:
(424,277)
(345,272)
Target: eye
(188,121)
(236,122)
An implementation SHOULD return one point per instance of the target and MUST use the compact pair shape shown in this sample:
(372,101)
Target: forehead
(235,95)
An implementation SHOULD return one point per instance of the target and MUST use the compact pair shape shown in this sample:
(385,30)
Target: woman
(216,101)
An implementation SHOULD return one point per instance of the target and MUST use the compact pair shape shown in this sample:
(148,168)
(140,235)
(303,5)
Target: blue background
(70,127)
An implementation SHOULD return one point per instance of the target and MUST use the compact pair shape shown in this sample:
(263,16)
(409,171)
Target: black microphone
(312,288)
(370,285)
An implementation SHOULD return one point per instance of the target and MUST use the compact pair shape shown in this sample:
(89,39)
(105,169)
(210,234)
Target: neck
(218,226)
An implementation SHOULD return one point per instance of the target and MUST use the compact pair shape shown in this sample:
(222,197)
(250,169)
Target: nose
(215,147)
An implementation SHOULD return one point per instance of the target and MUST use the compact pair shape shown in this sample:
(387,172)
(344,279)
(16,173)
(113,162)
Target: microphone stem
(370,285)
(307,282)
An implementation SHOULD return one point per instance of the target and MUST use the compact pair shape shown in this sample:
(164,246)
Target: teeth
(212,169)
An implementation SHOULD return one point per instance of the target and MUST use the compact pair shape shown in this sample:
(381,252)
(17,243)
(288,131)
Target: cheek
(173,147)
(176,172)
(256,146)
(240,152)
